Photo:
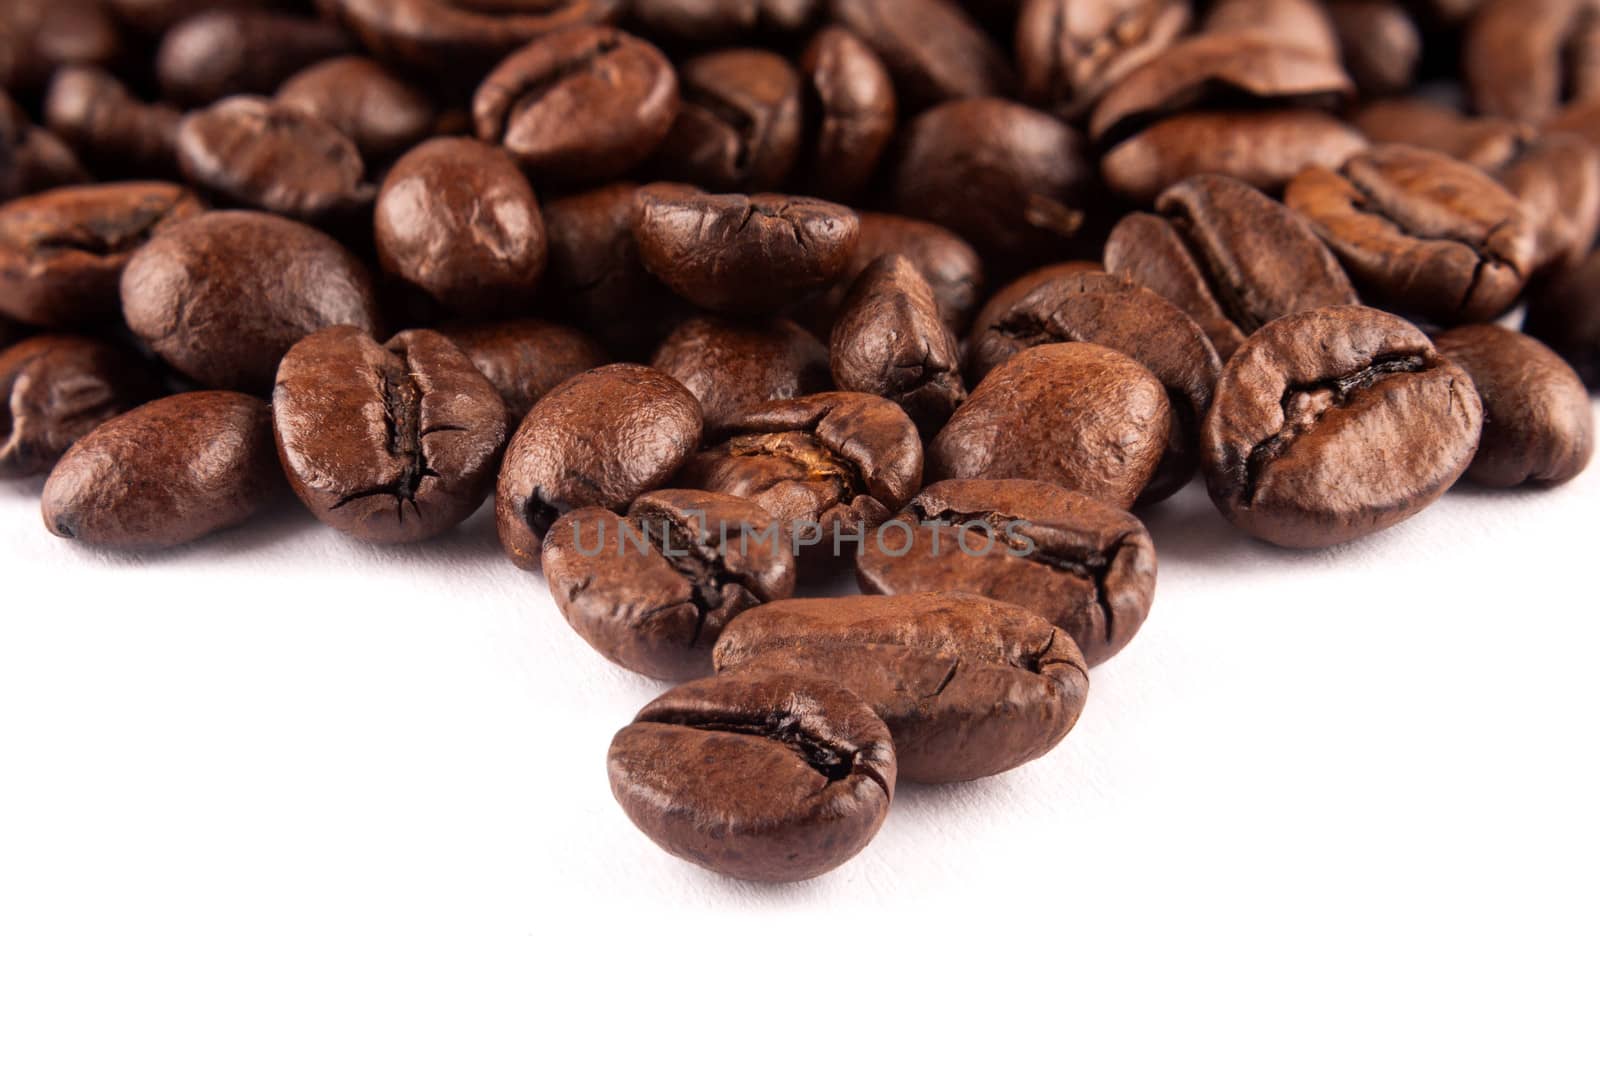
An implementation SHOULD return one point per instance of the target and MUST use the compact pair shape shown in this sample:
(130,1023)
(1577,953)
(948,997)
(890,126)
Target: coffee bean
(222,296)
(1230,257)
(61,252)
(732,366)
(525,358)
(1298,24)
(826,466)
(890,341)
(763,776)
(381,114)
(932,47)
(1088,568)
(457,219)
(111,128)
(1013,292)
(457,38)
(1557,180)
(1080,416)
(165,474)
(1483,141)
(39,36)
(1103,309)
(1333,424)
(720,20)
(739,123)
(580,105)
(1421,232)
(227,53)
(653,591)
(968,686)
(1564,315)
(32,159)
(741,254)
(55,388)
(1537,424)
(1011,180)
(599,439)
(1069,52)
(855,112)
(1522,58)
(950,265)
(1379,44)
(595,274)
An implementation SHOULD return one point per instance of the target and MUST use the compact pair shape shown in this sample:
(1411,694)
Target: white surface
(285,799)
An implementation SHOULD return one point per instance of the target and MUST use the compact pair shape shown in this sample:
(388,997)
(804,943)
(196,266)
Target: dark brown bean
(111,128)
(1523,58)
(1070,52)
(525,358)
(39,36)
(227,53)
(1564,314)
(1379,43)
(55,388)
(855,112)
(739,124)
(733,366)
(458,38)
(381,114)
(950,265)
(932,48)
(32,159)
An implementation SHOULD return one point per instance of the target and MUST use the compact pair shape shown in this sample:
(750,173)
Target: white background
(281,798)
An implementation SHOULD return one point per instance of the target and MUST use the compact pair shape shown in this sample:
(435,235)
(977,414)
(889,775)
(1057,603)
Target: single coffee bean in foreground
(1081,416)
(765,776)
(968,686)
(166,473)
(652,590)
(1333,424)
(387,443)
(828,466)
(1421,233)
(63,251)
(734,365)
(525,358)
(457,219)
(1538,426)
(890,341)
(599,439)
(1087,567)
(222,296)
(54,388)
(742,254)
(1232,258)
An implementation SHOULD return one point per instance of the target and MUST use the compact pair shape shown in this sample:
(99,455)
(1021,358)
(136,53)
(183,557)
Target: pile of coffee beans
(722,299)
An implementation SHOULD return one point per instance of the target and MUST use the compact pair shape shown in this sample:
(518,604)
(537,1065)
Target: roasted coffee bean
(1421,232)
(39,36)
(1108,310)
(1085,566)
(221,297)
(61,252)
(525,358)
(583,104)
(381,114)
(1557,179)
(1230,257)
(968,686)
(1301,24)
(32,159)
(890,341)
(653,590)
(739,123)
(764,776)
(950,265)
(1538,427)
(1522,58)
(596,277)
(828,466)
(1009,295)
(854,103)
(228,53)
(1483,141)
(458,38)
(1564,314)
(1329,425)
(258,153)
(932,47)
(166,473)
(1070,52)
(1379,44)
(1079,415)
(111,128)
(742,254)
(733,366)
(55,388)
(1013,181)
(457,219)
(387,443)
(599,439)
(720,20)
